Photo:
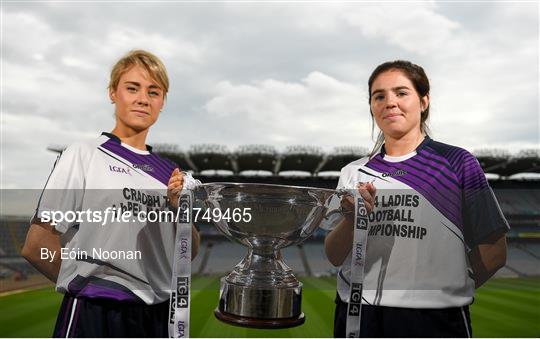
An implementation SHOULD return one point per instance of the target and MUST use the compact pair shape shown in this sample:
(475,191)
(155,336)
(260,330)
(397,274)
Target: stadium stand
(256,158)
(173,153)
(491,159)
(313,160)
(502,163)
(13,235)
(520,260)
(211,157)
(299,158)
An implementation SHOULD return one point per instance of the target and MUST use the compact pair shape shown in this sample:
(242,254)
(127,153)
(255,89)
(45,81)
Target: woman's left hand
(174,187)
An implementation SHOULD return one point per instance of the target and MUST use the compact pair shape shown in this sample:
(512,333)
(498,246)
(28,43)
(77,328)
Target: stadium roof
(339,157)
(502,163)
(313,160)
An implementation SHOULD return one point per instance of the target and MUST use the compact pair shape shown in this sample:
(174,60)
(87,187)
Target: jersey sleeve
(482,215)
(63,193)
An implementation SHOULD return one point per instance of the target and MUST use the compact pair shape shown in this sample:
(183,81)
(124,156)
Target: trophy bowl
(262,291)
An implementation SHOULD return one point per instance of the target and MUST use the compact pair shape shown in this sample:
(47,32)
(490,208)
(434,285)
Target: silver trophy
(262,291)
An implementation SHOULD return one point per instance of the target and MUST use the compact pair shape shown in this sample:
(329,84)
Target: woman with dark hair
(435,229)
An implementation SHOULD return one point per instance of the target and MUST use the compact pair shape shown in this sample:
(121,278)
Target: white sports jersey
(107,257)
(432,206)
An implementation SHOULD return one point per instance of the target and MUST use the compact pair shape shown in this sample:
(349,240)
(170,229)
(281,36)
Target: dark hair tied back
(420,82)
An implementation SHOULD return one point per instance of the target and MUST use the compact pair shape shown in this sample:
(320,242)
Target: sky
(275,73)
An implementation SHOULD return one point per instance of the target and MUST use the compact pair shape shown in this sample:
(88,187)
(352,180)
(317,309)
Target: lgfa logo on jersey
(119,169)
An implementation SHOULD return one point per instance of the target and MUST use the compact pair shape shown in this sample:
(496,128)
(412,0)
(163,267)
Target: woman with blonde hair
(115,272)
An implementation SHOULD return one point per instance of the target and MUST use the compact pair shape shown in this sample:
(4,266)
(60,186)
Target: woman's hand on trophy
(367,190)
(347,206)
(174,187)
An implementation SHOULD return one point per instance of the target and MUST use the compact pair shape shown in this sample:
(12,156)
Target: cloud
(419,28)
(25,161)
(317,110)
(277,73)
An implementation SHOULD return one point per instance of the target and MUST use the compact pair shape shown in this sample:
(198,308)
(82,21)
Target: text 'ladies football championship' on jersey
(431,207)
(109,202)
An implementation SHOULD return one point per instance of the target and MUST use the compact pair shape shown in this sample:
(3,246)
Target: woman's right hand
(338,242)
(174,187)
(367,192)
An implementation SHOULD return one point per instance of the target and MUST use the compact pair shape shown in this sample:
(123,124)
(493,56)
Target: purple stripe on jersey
(477,183)
(157,167)
(453,154)
(452,159)
(425,172)
(436,198)
(444,177)
(438,162)
(161,170)
(475,178)
(424,158)
(423,183)
(431,180)
(164,167)
(93,291)
(473,185)
(161,165)
(432,154)
(466,167)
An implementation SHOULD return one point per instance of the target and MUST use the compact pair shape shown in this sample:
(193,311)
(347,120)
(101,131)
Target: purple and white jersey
(107,257)
(432,206)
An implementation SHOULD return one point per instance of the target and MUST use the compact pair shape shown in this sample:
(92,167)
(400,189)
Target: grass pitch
(504,307)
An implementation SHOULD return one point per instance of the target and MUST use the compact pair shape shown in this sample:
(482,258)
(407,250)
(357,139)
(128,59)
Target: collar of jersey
(400,158)
(131,148)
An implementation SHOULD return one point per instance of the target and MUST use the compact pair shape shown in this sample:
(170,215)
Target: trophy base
(260,307)
(258,322)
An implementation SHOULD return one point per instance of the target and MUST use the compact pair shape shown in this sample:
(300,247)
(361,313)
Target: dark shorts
(382,321)
(84,317)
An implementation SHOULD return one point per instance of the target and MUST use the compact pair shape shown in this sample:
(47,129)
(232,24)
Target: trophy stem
(263,268)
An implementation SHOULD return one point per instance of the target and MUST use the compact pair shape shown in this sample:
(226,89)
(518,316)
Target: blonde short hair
(151,63)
